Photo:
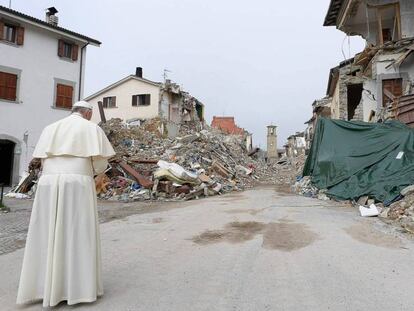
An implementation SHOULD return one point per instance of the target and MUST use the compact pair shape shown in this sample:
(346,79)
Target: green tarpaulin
(352,159)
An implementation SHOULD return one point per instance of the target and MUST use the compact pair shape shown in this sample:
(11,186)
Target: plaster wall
(124,109)
(38,68)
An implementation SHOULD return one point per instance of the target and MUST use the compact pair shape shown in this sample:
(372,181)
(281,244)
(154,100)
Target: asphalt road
(256,250)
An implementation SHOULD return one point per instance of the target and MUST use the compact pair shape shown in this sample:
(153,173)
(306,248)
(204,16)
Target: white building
(137,98)
(132,97)
(41,76)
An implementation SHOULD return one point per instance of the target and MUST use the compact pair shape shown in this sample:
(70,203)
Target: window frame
(67,47)
(139,100)
(17,73)
(105,100)
(7,87)
(14,33)
(55,94)
(63,97)
(64,46)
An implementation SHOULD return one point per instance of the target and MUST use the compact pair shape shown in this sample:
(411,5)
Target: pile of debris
(149,165)
(303,186)
(402,211)
(289,172)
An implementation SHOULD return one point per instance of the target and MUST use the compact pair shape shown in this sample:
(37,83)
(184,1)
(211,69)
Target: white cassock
(62,259)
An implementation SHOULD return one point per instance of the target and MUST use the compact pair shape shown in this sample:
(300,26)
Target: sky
(263,62)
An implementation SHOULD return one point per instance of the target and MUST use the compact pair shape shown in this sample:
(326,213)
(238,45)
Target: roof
(47,25)
(346,62)
(127,78)
(332,81)
(333,12)
(227,125)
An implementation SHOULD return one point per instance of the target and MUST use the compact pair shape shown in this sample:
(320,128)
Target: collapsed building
(377,83)
(369,163)
(295,145)
(228,126)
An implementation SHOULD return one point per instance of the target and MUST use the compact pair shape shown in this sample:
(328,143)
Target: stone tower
(272,155)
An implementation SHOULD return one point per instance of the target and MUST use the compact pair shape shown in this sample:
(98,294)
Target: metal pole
(9,4)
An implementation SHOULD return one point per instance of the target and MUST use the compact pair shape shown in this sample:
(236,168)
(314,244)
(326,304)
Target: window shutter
(60,48)
(134,100)
(8,86)
(75,49)
(69,96)
(12,87)
(20,35)
(114,101)
(1,30)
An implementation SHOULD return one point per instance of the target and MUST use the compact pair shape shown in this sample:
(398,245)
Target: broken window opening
(354,95)
(200,112)
(388,21)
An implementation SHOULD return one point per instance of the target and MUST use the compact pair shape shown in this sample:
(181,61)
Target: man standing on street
(62,259)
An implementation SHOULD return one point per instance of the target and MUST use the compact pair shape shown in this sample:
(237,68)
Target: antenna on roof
(165,75)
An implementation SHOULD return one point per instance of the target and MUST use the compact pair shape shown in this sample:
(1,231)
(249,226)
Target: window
(11,33)
(64,96)
(68,50)
(141,100)
(109,102)
(391,88)
(8,86)
(388,21)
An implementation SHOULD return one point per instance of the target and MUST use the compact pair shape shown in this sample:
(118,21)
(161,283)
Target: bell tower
(272,154)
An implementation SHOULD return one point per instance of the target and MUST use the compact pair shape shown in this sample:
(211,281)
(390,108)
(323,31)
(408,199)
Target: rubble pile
(402,211)
(303,186)
(289,172)
(149,165)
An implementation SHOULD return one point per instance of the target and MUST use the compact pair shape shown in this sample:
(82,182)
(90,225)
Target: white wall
(124,109)
(39,66)
(358,23)
(369,96)
(407,18)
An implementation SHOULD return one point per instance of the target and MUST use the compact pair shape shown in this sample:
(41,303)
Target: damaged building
(179,106)
(295,145)
(135,99)
(227,125)
(375,84)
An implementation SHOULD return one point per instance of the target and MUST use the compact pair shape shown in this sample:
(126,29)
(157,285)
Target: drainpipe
(80,71)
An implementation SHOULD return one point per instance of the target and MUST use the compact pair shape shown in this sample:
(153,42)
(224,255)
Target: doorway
(354,93)
(6,161)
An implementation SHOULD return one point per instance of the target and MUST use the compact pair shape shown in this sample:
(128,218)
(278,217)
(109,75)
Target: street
(255,250)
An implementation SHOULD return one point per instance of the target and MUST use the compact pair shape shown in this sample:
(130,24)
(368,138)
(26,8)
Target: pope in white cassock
(62,259)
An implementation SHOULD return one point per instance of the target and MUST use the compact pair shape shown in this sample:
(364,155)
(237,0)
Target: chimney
(138,72)
(51,18)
